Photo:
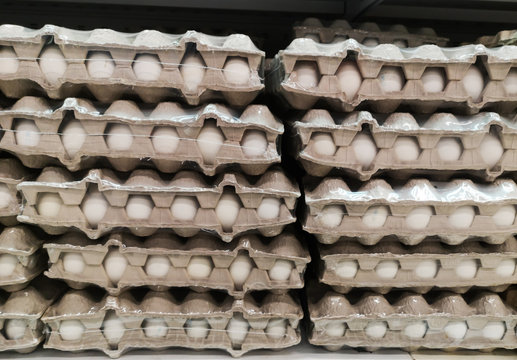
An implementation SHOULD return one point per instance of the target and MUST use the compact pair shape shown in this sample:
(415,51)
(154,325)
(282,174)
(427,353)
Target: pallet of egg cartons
(362,145)
(77,132)
(347,75)
(86,320)
(12,172)
(368,33)
(194,67)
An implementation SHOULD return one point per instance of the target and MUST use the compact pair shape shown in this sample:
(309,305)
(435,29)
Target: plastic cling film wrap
(114,325)
(11,174)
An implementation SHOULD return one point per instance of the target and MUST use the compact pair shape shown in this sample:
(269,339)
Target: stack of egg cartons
(167,221)
(407,261)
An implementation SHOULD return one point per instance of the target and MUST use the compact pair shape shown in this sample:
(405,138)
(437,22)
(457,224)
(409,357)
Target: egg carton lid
(19,240)
(502,38)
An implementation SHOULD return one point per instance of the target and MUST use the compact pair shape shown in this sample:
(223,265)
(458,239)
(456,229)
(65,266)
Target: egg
(449,149)
(155,328)
(227,210)
(237,71)
(370,42)
(254,143)
(391,79)
(364,149)
(15,328)
(49,205)
(306,75)
(339,38)
(184,208)
(100,65)
(197,328)
(505,268)
(400,43)
(210,140)
(9,62)
(237,329)
(419,217)
(147,67)
(504,216)
(73,263)
(313,37)
(331,216)
(240,269)
(387,269)
(139,207)
(433,80)
(427,269)
(406,149)
(349,78)
(269,208)
(276,328)
(335,328)
(467,269)
(494,330)
(73,137)
(510,81)
(375,216)
(491,150)
(157,266)
(281,270)
(416,329)
(462,217)
(8,263)
(192,70)
(456,329)
(474,82)
(323,144)
(346,269)
(165,140)
(71,330)
(376,329)
(200,267)
(6,198)
(53,64)
(94,207)
(113,328)
(115,265)
(119,137)
(26,133)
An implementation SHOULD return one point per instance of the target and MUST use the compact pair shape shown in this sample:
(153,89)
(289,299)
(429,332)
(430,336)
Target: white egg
(307,75)
(427,269)
(467,269)
(119,137)
(505,268)
(331,216)
(491,150)
(387,269)
(276,328)
(376,329)
(419,217)
(26,133)
(9,62)
(400,43)
(504,216)
(281,270)
(73,263)
(52,63)
(375,216)
(449,149)
(210,140)
(313,37)
(335,328)
(240,269)
(456,329)
(8,263)
(346,269)
(474,82)
(391,78)
(197,328)
(370,41)
(415,329)
(269,208)
(349,78)
(49,204)
(193,71)
(494,330)
(15,328)
(73,137)
(254,143)
(237,71)
(323,144)
(339,38)
(184,208)
(433,80)
(510,81)
(364,149)
(6,198)
(237,329)
(227,210)
(165,140)
(71,330)
(147,67)
(113,328)
(115,265)
(406,148)
(155,328)
(139,207)
(100,65)
(200,267)
(462,217)
(157,266)
(94,207)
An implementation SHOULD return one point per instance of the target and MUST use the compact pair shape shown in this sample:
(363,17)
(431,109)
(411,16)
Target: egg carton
(362,145)
(502,38)
(54,128)
(12,172)
(193,67)
(144,202)
(383,77)
(419,268)
(368,33)
(453,211)
(249,263)
(114,325)
(410,321)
